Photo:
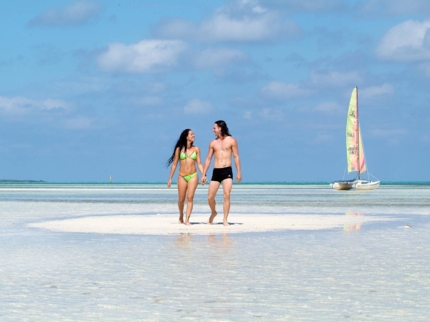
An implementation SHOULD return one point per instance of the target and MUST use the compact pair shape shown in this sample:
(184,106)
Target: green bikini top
(183,156)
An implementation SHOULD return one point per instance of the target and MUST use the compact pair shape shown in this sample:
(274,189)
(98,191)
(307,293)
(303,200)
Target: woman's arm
(207,163)
(199,163)
(173,168)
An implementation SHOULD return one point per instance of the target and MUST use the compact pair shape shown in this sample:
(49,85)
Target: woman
(187,154)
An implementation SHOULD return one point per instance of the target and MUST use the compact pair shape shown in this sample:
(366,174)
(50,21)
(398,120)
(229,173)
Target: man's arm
(235,150)
(207,163)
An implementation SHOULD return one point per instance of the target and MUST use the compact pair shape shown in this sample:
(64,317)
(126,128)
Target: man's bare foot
(181,219)
(212,217)
(225,223)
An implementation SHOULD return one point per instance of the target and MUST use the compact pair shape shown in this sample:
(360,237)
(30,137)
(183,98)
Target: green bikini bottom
(190,176)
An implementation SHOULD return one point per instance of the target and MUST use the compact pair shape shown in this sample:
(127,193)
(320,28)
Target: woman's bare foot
(181,219)
(212,217)
(225,223)
(187,220)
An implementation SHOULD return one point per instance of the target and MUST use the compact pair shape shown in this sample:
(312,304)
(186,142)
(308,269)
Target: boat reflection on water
(355,226)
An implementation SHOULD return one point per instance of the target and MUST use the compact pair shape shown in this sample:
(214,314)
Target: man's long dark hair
(181,144)
(224,128)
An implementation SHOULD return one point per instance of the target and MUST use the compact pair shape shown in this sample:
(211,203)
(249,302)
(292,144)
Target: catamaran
(355,151)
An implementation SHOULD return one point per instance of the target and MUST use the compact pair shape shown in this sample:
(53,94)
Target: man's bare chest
(222,147)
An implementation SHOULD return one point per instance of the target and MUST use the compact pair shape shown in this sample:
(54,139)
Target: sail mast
(358,133)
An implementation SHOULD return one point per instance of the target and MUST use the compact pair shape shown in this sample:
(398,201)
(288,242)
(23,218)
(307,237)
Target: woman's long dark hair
(181,144)
(224,128)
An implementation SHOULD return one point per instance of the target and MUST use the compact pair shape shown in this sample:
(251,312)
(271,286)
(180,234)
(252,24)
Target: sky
(90,89)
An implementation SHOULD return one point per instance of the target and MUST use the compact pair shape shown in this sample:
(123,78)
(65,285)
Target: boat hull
(366,185)
(343,185)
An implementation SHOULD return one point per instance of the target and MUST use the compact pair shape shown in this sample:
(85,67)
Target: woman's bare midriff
(187,167)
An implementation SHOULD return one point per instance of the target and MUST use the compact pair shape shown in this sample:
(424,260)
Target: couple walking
(187,155)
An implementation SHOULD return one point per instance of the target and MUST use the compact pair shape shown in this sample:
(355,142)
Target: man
(222,148)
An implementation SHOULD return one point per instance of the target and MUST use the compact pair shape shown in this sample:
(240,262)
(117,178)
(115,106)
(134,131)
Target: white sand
(168,224)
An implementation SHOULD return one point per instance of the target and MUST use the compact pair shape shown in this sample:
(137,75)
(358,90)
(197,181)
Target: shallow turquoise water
(373,272)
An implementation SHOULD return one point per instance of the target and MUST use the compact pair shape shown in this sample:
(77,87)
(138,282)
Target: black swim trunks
(220,174)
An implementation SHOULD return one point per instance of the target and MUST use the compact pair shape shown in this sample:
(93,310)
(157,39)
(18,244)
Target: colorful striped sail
(354,147)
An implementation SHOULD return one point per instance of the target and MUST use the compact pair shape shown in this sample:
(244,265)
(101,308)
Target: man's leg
(213,189)
(227,184)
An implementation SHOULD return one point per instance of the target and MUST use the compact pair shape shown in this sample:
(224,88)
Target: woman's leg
(192,186)
(182,191)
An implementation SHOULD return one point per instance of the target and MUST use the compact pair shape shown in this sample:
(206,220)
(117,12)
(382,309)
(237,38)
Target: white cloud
(52,104)
(280,90)
(23,105)
(393,7)
(75,13)
(334,79)
(267,26)
(217,57)
(272,114)
(376,91)
(244,21)
(78,123)
(258,9)
(407,41)
(306,5)
(142,57)
(196,106)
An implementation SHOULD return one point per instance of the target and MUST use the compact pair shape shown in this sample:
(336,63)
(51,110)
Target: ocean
(365,270)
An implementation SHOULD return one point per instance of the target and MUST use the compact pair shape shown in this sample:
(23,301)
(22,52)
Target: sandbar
(168,224)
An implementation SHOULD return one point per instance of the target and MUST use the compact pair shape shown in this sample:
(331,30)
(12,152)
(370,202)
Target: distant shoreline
(280,183)
(4,180)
